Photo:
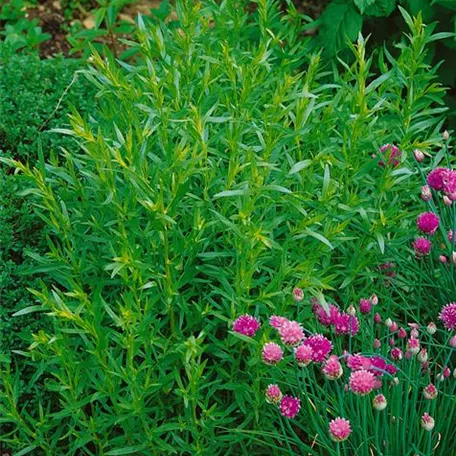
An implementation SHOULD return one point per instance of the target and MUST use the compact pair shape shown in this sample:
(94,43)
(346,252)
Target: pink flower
(422,246)
(276,322)
(379,402)
(325,318)
(289,406)
(273,394)
(427,422)
(450,184)
(298,294)
(362,382)
(246,325)
(413,346)
(291,333)
(357,362)
(430,392)
(396,354)
(428,222)
(446,372)
(303,355)
(391,369)
(365,306)
(435,178)
(392,342)
(377,318)
(339,429)
(272,353)
(377,365)
(332,369)
(387,269)
(374,299)
(320,345)
(414,333)
(391,154)
(346,324)
(448,316)
(402,333)
(376,344)
(393,327)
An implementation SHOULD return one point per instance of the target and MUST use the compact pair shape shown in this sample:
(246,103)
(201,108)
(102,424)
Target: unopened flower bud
(447,201)
(351,310)
(374,299)
(427,422)
(377,318)
(414,333)
(402,333)
(431,328)
(423,356)
(379,402)
(443,259)
(394,327)
(376,343)
(419,156)
(298,294)
(426,193)
(388,322)
(445,135)
(453,342)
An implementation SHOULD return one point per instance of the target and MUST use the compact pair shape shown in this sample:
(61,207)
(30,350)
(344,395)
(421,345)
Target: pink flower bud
(419,156)
(414,333)
(377,318)
(388,322)
(374,299)
(423,356)
(408,355)
(392,342)
(443,259)
(427,422)
(447,201)
(376,343)
(298,294)
(453,342)
(426,193)
(431,328)
(351,310)
(394,327)
(402,333)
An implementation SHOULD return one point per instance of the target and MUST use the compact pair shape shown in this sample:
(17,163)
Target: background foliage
(224,167)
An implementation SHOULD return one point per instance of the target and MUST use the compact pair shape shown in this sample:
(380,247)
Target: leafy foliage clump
(221,169)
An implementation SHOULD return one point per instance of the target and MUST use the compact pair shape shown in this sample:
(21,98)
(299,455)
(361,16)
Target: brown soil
(52,19)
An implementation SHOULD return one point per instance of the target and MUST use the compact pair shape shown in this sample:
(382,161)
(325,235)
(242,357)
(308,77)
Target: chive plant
(223,166)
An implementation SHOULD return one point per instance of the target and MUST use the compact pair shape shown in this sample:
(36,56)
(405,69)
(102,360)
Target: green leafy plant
(223,167)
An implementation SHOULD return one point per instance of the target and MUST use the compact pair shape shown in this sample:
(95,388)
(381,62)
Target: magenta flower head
(365,306)
(303,355)
(321,347)
(379,402)
(246,325)
(273,394)
(427,422)
(276,322)
(289,406)
(448,316)
(291,333)
(426,193)
(298,294)
(391,155)
(430,392)
(362,382)
(357,362)
(422,246)
(391,369)
(428,222)
(450,185)
(339,429)
(396,354)
(435,178)
(325,318)
(346,324)
(272,353)
(332,369)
